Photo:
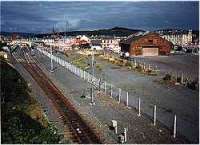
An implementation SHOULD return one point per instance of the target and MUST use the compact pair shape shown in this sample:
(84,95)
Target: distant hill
(18,33)
(116,31)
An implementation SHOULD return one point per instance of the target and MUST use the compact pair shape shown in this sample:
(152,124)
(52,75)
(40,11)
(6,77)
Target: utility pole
(92,86)
(51,48)
(66,27)
(51,59)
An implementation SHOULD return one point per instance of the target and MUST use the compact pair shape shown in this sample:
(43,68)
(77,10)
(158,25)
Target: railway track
(80,131)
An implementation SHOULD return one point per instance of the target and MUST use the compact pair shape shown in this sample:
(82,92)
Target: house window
(150,41)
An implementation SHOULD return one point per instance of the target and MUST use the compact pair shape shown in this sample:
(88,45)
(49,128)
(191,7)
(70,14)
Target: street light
(51,59)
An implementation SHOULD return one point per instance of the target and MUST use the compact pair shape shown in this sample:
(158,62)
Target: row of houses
(180,38)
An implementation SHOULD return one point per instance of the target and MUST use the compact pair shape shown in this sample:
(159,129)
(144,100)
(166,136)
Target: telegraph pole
(51,48)
(51,59)
(66,27)
(92,86)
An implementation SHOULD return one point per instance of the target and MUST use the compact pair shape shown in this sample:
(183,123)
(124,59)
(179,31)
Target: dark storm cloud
(42,16)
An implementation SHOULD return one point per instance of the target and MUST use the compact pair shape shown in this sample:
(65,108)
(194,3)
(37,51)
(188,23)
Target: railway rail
(80,131)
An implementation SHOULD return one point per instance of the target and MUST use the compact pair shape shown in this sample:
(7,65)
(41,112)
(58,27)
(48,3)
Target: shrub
(167,77)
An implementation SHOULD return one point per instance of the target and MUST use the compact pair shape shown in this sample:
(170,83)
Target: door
(150,51)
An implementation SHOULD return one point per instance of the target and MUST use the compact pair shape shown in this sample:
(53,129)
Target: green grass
(22,120)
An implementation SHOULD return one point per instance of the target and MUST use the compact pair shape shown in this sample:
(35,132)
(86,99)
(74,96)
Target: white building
(178,38)
(111,43)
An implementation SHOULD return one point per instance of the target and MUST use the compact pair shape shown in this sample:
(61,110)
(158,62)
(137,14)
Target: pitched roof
(134,37)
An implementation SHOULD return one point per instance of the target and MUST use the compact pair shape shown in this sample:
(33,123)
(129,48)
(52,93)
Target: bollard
(174,131)
(125,134)
(127,99)
(120,91)
(111,91)
(154,115)
(114,124)
(139,113)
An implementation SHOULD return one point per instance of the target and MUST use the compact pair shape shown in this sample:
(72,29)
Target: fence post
(92,96)
(88,77)
(182,80)
(139,113)
(119,95)
(99,83)
(149,67)
(174,131)
(84,75)
(154,115)
(127,99)
(81,73)
(105,87)
(135,63)
(111,91)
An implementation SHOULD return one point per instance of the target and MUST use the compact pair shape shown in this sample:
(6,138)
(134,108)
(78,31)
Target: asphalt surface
(122,77)
(187,64)
(170,100)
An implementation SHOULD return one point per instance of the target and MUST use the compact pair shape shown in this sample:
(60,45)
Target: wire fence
(131,100)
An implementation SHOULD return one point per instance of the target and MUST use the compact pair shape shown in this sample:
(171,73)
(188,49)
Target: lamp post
(51,59)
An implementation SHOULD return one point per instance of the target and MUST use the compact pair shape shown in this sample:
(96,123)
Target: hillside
(116,31)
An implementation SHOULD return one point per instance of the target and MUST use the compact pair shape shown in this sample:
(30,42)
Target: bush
(193,85)
(167,77)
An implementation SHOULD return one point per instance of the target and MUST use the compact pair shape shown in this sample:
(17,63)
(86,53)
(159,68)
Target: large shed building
(150,44)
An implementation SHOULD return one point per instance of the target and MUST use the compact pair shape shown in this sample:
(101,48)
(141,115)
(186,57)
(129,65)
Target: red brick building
(150,44)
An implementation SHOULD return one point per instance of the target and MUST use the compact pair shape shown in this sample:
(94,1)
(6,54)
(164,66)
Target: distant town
(116,40)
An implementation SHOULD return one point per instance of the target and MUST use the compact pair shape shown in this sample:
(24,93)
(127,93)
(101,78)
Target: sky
(41,17)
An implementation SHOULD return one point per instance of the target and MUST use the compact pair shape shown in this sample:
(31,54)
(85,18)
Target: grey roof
(133,37)
(96,41)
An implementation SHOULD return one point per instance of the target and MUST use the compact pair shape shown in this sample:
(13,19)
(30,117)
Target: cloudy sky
(42,16)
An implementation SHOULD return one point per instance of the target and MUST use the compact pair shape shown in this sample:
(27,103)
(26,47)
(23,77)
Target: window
(150,41)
